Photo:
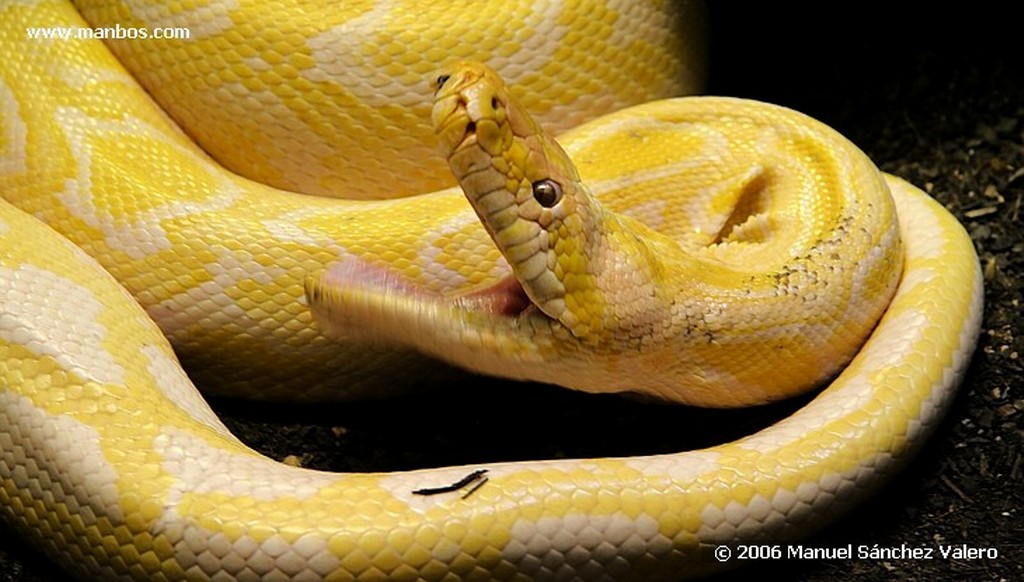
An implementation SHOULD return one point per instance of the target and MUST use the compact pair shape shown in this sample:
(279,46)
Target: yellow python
(113,464)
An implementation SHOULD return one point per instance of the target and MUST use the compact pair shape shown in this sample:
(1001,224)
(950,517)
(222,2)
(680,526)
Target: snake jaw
(505,298)
(356,300)
(496,330)
(353,299)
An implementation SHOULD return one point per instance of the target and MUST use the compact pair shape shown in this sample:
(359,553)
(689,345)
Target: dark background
(935,95)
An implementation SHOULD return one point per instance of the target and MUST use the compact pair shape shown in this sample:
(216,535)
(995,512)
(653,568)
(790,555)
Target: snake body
(600,302)
(113,464)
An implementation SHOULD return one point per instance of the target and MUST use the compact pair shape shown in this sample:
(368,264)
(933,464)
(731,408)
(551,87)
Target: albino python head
(578,263)
(596,300)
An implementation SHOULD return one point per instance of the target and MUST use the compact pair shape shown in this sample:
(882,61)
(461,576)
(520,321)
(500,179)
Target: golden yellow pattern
(113,464)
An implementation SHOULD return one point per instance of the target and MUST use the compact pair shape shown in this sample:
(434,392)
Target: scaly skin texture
(787,265)
(112,463)
(330,101)
(219,260)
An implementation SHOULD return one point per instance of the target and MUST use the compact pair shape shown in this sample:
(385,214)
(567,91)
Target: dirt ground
(937,98)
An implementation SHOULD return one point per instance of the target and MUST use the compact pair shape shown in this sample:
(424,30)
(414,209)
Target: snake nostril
(441,80)
(470,131)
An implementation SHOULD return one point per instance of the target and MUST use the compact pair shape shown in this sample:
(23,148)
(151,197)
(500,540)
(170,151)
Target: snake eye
(547,192)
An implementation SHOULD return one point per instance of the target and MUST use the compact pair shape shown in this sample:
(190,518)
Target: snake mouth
(356,299)
(505,298)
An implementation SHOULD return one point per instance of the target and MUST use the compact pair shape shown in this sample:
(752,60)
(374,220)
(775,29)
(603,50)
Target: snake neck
(618,278)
